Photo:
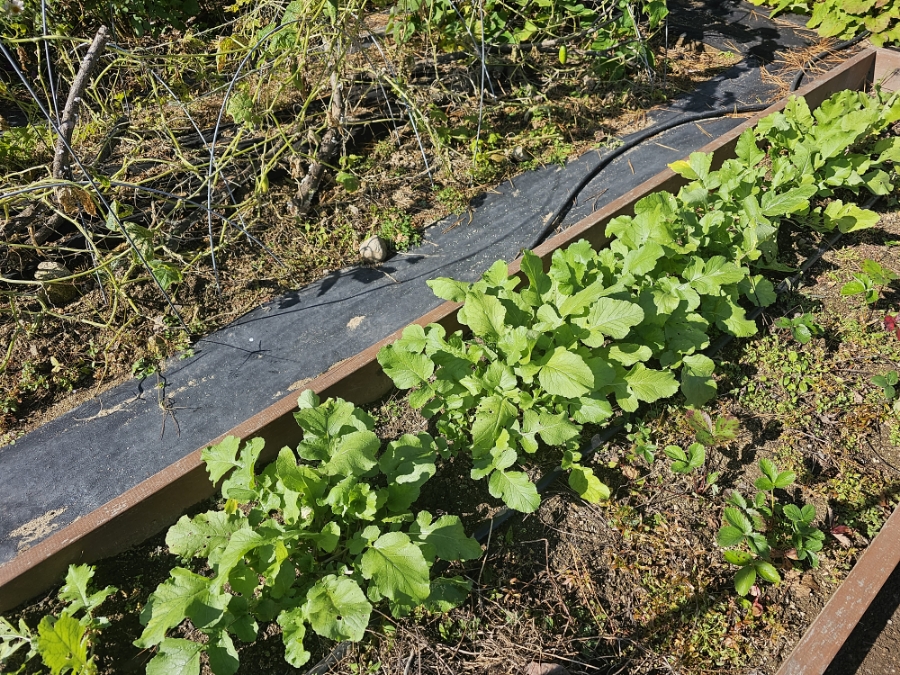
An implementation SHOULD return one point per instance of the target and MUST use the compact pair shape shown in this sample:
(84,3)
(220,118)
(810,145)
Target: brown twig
(73,103)
(328,150)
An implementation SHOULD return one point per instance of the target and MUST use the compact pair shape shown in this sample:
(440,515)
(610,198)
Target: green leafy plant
(843,19)
(551,351)
(767,527)
(686,461)
(310,545)
(709,432)
(871,282)
(65,643)
(803,327)
(888,383)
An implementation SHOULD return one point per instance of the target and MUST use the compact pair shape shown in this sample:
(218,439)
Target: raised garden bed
(156,502)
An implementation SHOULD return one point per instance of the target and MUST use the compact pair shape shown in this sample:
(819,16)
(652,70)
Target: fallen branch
(70,112)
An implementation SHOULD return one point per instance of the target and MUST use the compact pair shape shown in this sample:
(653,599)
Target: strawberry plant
(686,461)
(766,527)
(803,327)
(310,544)
(870,282)
(65,643)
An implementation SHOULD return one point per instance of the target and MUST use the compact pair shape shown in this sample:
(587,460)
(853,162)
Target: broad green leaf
(301,479)
(494,414)
(650,385)
(758,290)
(447,593)
(443,538)
(628,354)
(484,314)
(788,202)
(353,455)
(407,463)
(848,217)
(767,571)
(241,543)
(176,657)
(553,429)
(449,289)
(736,518)
(744,579)
(586,484)
(397,568)
(413,339)
(202,534)
(730,317)
(590,410)
(643,260)
(336,608)
(683,168)
(747,150)
(566,374)
(76,592)
(768,468)
(183,595)
(697,383)
(293,630)
(165,273)
(223,657)
(729,536)
(707,277)
(221,458)
(516,491)
(784,479)
(63,644)
(613,318)
(738,557)
(574,304)
(406,369)
(534,269)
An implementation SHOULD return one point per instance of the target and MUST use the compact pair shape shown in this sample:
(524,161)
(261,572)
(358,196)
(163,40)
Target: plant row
(319,537)
(628,324)
(845,19)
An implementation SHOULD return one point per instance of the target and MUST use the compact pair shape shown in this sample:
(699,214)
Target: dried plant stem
(73,103)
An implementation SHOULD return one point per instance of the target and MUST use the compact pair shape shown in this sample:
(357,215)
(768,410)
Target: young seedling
(870,282)
(712,433)
(66,642)
(888,384)
(767,527)
(686,462)
(803,327)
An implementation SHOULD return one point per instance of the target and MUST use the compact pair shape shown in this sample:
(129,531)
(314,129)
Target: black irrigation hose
(798,78)
(631,143)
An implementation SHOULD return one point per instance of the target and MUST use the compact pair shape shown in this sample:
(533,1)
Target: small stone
(57,293)
(374,249)
(520,154)
(535,668)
